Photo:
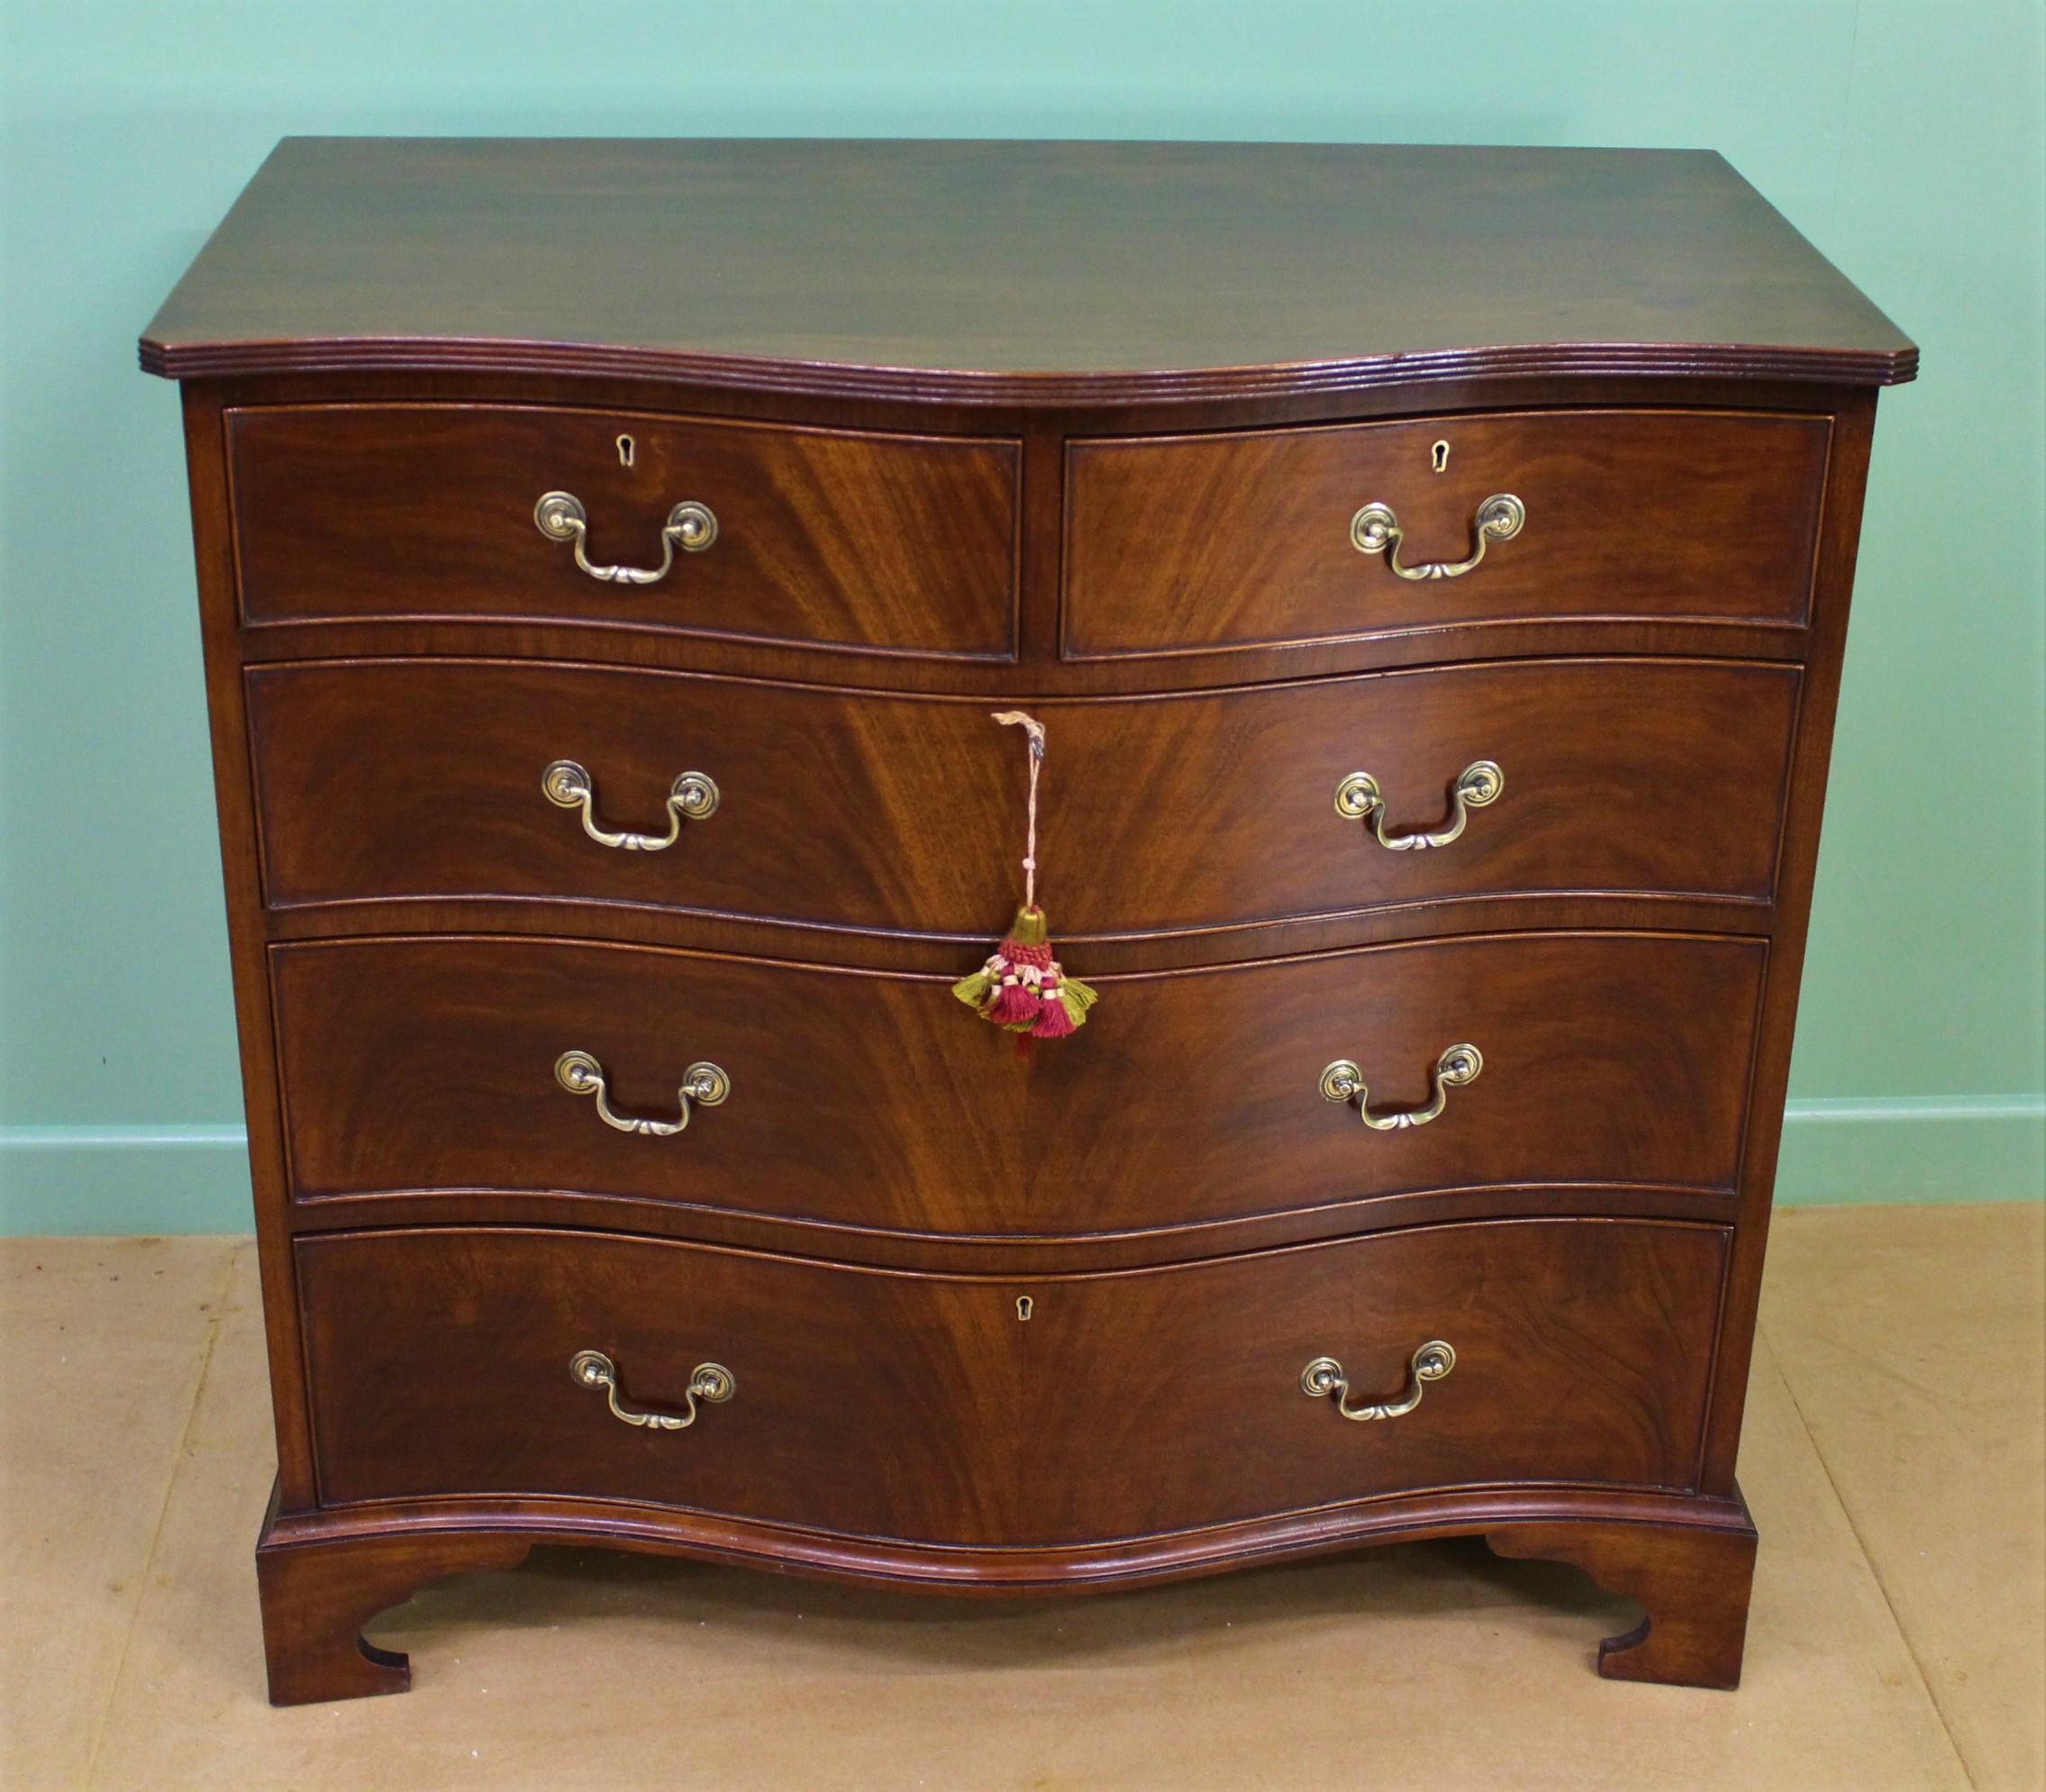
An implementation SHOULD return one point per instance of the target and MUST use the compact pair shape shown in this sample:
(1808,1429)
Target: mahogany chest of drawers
(610,555)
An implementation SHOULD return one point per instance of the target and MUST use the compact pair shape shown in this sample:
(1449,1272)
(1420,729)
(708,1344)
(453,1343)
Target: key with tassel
(1022,987)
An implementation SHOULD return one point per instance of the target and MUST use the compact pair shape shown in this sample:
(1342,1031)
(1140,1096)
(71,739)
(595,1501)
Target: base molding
(323,1574)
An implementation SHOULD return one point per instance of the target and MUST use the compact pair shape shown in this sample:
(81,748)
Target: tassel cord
(1023,988)
(1016,718)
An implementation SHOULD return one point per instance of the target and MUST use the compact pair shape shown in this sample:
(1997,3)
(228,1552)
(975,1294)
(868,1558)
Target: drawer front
(1203,542)
(886,543)
(875,1100)
(889,1405)
(417,779)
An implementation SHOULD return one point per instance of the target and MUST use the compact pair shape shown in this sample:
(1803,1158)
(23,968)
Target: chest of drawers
(609,557)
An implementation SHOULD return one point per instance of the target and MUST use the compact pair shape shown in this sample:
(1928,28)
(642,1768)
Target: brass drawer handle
(691,527)
(695,795)
(1323,1378)
(1343,1081)
(1357,798)
(703,1085)
(709,1381)
(1374,530)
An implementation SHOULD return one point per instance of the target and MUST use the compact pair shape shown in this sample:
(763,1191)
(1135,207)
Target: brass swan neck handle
(693,795)
(710,1381)
(1374,530)
(690,526)
(704,1085)
(1357,798)
(1323,1379)
(1342,1081)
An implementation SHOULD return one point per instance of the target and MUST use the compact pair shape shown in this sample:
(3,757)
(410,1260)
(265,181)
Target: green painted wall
(1904,138)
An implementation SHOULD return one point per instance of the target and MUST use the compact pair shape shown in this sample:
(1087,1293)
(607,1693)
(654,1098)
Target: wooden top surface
(1027,271)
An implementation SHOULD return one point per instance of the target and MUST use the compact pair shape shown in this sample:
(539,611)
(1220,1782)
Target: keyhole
(625,451)
(1022,1307)
(1439,456)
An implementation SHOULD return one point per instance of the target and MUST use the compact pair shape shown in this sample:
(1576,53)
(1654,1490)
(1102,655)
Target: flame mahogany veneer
(1087,428)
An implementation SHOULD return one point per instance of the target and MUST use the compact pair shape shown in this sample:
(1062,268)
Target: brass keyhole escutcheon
(625,451)
(1439,457)
(1025,1306)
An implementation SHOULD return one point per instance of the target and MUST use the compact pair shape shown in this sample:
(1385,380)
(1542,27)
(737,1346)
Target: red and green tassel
(1022,987)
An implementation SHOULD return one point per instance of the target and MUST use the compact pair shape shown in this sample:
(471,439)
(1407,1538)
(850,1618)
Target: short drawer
(819,538)
(876,1100)
(926,1408)
(1201,543)
(429,778)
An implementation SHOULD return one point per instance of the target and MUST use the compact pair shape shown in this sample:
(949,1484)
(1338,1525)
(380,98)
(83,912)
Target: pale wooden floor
(1893,1458)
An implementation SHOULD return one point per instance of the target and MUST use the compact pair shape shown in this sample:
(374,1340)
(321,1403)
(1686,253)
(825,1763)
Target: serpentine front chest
(1429,568)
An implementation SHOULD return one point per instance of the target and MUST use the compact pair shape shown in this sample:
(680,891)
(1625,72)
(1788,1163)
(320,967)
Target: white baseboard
(106,1179)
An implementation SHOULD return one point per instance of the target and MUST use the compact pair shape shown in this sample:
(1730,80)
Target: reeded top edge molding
(1839,366)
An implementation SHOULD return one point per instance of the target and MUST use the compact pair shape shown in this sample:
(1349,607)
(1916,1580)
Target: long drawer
(931,1409)
(1271,538)
(441,777)
(833,539)
(874,1100)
